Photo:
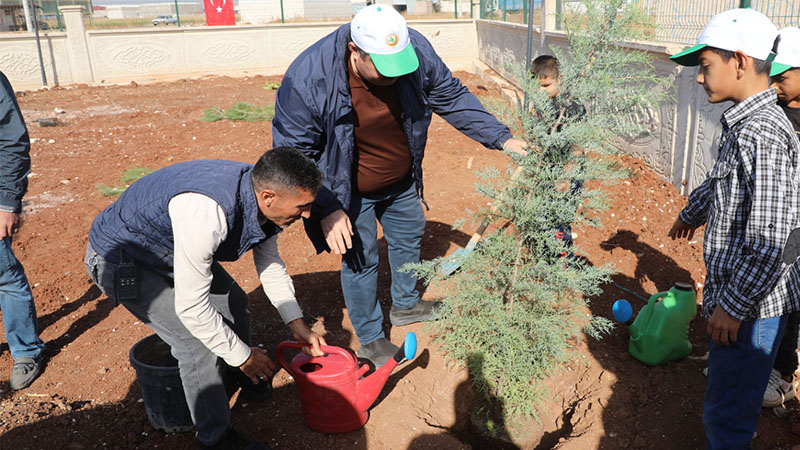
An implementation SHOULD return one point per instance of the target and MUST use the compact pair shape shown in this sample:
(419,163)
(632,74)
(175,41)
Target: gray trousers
(203,374)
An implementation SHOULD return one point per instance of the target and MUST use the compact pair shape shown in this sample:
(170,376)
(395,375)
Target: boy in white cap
(359,102)
(749,203)
(785,75)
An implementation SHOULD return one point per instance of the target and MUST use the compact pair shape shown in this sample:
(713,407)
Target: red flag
(219,12)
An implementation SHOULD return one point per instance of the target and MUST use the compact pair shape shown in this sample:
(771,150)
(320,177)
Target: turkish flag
(219,12)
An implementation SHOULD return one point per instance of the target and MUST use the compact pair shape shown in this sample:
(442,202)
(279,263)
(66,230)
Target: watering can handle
(656,296)
(299,345)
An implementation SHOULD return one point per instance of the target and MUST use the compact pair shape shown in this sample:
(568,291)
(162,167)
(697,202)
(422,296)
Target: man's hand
(258,366)
(681,229)
(8,224)
(722,327)
(301,333)
(515,145)
(338,231)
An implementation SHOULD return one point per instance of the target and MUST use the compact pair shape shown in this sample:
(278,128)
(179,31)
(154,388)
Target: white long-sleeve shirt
(199,227)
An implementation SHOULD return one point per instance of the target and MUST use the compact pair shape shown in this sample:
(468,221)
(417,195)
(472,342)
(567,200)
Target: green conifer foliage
(517,304)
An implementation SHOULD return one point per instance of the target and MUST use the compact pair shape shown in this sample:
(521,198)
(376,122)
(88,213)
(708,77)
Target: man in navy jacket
(359,102)
(16,298)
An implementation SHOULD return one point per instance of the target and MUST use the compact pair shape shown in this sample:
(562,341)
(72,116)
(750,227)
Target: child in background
(545,69)
(750,202)
(785,75)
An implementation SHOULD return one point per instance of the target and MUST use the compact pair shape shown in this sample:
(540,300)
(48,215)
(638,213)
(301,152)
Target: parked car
(166,20)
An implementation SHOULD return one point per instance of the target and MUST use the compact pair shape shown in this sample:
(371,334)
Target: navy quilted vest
(139,224)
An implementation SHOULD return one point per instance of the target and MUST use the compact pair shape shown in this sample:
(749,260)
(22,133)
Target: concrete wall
(266,11)
(684,132)
(165,53)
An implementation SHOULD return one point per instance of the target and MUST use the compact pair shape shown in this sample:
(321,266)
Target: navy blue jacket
(15,160)
(139,224)
(314,113)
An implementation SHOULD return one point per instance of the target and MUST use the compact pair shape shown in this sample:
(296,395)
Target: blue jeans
(204,375)
(16,302)
(400,213)
(737,377)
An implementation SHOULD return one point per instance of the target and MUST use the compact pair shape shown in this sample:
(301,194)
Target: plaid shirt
(750,202)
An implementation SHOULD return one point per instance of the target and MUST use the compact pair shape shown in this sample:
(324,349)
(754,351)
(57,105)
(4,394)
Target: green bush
(239,111)
(126,179)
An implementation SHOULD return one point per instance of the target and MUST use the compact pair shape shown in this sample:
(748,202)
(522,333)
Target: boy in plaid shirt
(750,202)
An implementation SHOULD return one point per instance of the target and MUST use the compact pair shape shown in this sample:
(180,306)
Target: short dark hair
(286,168)
(545,66)
(761,66)
(361,53)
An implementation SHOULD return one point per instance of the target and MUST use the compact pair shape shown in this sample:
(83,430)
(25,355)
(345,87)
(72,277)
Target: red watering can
(334,397)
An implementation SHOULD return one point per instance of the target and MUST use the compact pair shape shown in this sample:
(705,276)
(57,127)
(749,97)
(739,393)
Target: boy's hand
(681,229)
(722,327)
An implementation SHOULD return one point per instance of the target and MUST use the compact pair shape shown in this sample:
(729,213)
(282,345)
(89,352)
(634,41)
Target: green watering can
(660,332)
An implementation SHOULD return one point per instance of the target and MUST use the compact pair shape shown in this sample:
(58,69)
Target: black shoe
(423,311)
(233,440)
(378,351)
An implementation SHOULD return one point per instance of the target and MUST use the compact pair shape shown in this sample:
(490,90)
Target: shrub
(518,304)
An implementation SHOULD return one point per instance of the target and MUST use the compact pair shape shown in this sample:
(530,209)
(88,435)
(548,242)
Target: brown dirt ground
(88,396)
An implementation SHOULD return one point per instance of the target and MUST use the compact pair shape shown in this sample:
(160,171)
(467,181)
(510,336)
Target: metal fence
(182,13)
(510,10)
(679,21)
(155,14)
(682,21)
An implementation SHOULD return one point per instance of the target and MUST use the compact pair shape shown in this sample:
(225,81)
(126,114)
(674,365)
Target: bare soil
(88,396)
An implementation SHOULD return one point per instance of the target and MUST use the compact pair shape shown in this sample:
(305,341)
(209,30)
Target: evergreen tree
(518,304)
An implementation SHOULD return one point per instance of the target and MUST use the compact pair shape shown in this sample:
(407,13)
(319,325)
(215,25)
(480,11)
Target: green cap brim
(396,64)
(689,57)
(778,68)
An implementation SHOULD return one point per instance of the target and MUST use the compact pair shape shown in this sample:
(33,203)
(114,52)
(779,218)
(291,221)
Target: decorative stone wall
(121,56)
(685,131)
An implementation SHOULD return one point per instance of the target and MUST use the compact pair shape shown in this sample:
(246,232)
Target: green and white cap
(382,32)
(741,29)
(788,52)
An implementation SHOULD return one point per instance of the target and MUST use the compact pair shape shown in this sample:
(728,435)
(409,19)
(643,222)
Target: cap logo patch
(391,40)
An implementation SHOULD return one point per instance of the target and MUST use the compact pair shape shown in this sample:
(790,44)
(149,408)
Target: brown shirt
(382,157)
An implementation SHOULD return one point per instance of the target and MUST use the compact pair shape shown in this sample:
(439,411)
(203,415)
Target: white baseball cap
(382,32)
(788,52)
(741,29)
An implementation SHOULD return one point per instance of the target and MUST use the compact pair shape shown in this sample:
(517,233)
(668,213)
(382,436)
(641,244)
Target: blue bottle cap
(622,310)
(410,346)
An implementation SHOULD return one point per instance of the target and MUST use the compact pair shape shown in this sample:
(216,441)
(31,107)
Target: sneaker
(23,373)
(423,311)
(378,351)
(233,440)
(778,391)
